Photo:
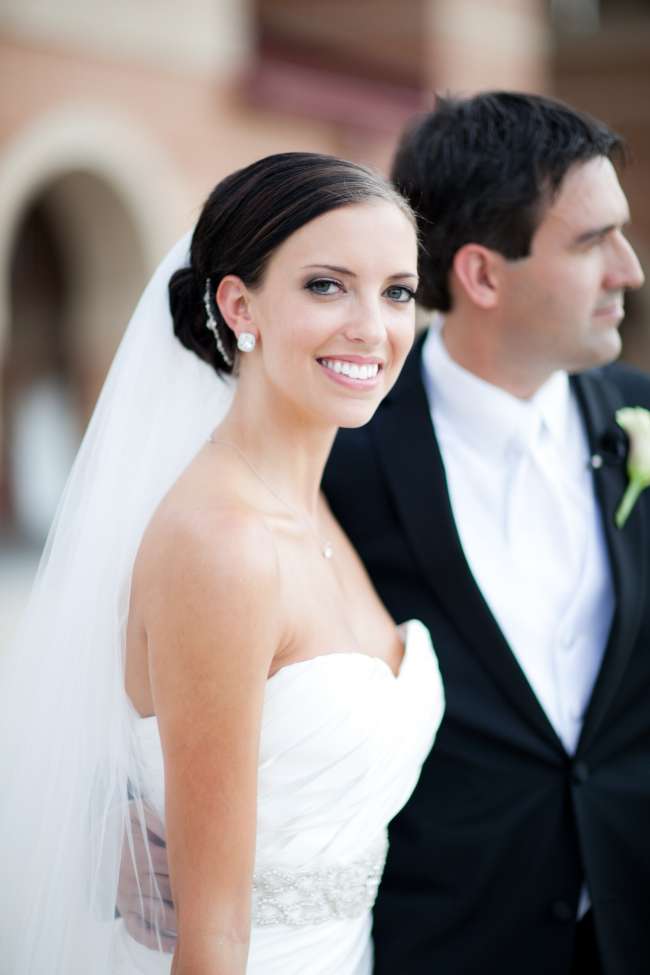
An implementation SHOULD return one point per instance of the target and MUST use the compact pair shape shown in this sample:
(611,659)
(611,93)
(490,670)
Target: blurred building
(116,119)
(601,64)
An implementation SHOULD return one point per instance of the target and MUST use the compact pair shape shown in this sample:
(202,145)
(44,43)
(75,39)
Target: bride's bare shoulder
(200,532)
(205,576)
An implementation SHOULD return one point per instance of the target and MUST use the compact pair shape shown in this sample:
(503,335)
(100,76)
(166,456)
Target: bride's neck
(282,446)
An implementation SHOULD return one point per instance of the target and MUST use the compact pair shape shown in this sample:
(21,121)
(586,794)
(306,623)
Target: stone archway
(88,206)
(76,270)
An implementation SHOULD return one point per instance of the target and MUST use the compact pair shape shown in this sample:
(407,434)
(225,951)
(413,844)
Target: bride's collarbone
(334,577)
(331,609)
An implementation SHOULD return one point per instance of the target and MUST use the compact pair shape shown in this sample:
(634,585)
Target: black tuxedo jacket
(487,859)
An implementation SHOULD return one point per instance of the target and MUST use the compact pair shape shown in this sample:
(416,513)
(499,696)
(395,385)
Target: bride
(203,647)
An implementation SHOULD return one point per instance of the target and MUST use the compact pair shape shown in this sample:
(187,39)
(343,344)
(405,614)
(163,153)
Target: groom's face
(564,303)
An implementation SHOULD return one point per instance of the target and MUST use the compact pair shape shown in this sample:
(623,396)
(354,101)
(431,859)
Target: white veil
(66,769)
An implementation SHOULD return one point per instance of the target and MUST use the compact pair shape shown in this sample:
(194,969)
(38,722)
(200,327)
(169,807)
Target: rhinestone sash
(302,897)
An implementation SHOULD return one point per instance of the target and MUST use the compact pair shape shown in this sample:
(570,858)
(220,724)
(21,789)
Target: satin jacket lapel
(599,400)
(415,473)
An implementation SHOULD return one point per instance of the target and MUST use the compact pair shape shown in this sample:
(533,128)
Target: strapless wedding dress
(342,744)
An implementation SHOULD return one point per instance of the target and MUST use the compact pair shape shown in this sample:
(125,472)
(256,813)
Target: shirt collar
(485,415)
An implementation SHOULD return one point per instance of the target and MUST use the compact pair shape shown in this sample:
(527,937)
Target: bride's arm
(214,622)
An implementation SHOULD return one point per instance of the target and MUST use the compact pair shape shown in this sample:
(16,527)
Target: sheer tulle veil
(68,780)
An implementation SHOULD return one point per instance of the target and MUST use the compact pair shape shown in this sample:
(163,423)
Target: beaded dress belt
(300,897)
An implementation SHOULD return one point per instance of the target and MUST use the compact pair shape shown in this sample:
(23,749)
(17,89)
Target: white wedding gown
(342,744)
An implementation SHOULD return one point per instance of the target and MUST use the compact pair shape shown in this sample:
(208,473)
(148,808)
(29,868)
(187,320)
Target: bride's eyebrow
(344,270)
(329,267)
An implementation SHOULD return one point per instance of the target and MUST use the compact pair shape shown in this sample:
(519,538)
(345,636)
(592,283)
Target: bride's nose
(366,323)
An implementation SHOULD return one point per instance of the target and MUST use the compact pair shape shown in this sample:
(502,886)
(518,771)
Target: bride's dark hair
(245,218)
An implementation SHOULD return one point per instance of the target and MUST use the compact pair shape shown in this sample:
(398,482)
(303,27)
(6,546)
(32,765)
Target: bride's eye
(323,286)
(399,292)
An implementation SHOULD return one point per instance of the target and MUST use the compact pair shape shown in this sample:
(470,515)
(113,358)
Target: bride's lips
(353,371)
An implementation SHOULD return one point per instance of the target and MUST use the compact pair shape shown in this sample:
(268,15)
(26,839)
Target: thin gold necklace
(326,548)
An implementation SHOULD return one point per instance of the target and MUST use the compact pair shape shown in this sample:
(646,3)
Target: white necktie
(545,537)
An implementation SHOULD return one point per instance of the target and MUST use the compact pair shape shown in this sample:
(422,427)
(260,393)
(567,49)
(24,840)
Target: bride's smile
(355,371)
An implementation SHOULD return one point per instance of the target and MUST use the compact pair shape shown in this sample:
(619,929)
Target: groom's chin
(606,348)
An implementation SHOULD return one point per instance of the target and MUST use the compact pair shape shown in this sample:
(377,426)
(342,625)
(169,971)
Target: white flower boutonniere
(636,423)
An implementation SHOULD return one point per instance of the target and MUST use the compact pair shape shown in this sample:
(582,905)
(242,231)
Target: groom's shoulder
(632,383)
(352,450)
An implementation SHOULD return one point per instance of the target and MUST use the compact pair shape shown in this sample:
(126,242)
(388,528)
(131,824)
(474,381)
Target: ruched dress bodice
(342,743)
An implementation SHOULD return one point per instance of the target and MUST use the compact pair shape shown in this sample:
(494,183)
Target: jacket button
(562,911)
(580,772)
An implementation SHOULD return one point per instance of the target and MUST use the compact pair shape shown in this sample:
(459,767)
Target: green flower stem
(630,498)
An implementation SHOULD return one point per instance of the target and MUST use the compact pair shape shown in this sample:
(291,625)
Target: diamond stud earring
(246,342)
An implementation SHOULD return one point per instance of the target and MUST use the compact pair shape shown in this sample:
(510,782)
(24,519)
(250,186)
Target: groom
(482,498)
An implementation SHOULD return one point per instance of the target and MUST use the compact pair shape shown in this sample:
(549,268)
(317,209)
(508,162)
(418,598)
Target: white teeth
(351,369)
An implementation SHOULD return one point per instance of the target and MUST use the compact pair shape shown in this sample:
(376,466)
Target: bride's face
(335,314)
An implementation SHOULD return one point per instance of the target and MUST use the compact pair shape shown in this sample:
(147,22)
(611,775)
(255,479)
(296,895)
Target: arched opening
(88,184)
(37,379)
(76,268)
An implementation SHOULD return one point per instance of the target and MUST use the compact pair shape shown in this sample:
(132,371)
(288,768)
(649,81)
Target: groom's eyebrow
(344,270)
(594,234)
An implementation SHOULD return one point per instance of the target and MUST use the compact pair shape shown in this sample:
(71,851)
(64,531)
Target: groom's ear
(233,300)
(476,269)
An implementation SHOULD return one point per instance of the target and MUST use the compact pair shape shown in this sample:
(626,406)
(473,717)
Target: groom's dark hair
(484,169)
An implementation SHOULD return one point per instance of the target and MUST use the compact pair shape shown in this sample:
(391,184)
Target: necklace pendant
(327,550)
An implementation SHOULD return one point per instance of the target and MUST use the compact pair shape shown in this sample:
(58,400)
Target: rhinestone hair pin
(212,324)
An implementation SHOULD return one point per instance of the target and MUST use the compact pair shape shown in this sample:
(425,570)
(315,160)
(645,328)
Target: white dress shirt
(523,500)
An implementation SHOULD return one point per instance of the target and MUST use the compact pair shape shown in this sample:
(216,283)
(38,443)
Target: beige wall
(477,45)
(200,37)
(604,68)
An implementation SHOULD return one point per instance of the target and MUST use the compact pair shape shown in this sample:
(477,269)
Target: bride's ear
(233,301)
